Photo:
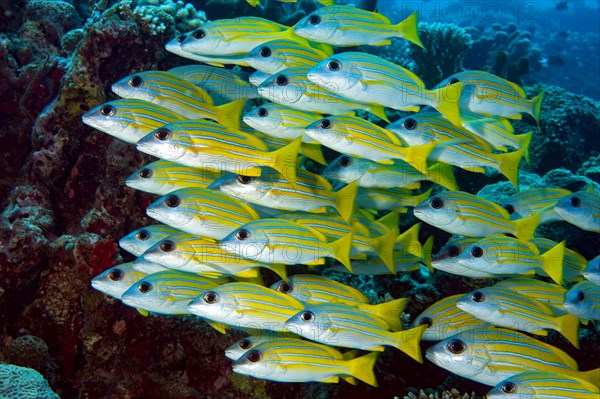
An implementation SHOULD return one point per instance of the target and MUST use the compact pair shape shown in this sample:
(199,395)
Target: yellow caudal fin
(443,174)
(427,251)
(345,199)
(508,164)
(220,327)
(253,276)
(349,379)
(536,106)
(445,100)
(552,262)
(313,151)
(143,312)
(591,376)
(284,159)
(525,228)
(281,271)
(327,2)
(408,341)
(417,155)
(379,110)
(253,3)
(524,141)
(417,199)
(326,49)
(228,115)
(407,30)
(390,312)
(568,326)
(362,368)
(341,250)
(390,220)
(408,242)
(384,246)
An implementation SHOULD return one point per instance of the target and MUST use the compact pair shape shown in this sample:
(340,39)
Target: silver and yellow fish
(374,80)
(277,55)
(543,386)
(174,46)
(202,212)
(163,177)
(504,307)
(581,209)
(139,240)
(297,360)
(583,301)
(488,94)
(462,213)
(536,200)
(129,119)
(345,25)
(170,91)
(281,121)
(115,280)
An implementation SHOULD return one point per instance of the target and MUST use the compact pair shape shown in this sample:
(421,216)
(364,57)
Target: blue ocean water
(561,38)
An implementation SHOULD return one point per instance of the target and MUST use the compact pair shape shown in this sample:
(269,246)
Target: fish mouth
(146,148)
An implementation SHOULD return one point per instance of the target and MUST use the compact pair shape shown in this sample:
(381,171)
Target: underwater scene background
(65,205)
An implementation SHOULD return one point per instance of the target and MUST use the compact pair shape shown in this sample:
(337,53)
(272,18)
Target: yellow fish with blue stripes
(176,94)
(201,211)
(443,319)
(488,94)
(309,192)
(581,209)
(490,355)
(174,46)
(281,121)
(139,240)
(163,177)
(573,262)
(551,295)
(283,241)
(393,199)
(374,80)
(246,306)
(129,119)
(276,55)
(344,25)
(350,327)
(458,212)
(115,280)
(208,145)
(314,289)
(504,307)
(583,301)
(543,386)
(536,200)
(303,361)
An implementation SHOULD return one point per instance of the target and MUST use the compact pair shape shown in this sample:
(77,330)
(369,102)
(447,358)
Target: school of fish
(235,195)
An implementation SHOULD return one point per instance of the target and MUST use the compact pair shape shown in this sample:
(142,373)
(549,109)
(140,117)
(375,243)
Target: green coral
(23,383)
(445,49)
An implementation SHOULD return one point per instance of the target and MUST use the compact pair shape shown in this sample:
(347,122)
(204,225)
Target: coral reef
(23,383)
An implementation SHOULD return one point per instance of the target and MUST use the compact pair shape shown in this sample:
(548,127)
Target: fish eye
(314,19)
(108,110)
(162,134)
(167,246)
(344,162)
(245,344)
(265,52)
(180,38)
(144,287)
(281,80)
(199,34)
(334,65)
(136,81)
(452,81)
(457,347)
(478,296)
(509,208)
(254,356)
(508,387)
(409,124)
(244,179)
(452,251)
(575,202)
(426,321)
(325,124)
(284,288)
(436,203)
(172,201)
(477,252)
(262,112)
(210,297)
(242,234)
(580,296)
(142,235)
(145,173)
(116,275)
(307,316)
